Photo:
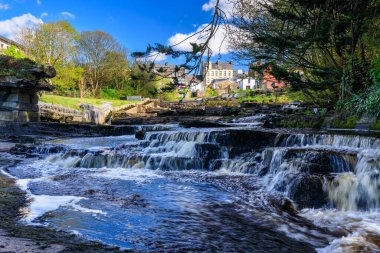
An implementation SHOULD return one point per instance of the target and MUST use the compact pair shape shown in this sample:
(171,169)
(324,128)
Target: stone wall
(62,114)
(20,105)
(98,115)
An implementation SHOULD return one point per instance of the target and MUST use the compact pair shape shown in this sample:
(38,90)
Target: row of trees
(87,63)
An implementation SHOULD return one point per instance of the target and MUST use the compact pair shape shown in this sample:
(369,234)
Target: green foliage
(10,66)
(142,82)
(319,98)
(109,94)
(67,79)
(375,126)
(345,123)
(266,99)
(313,45)
(211,92)
(169,96)
(297,122)
(14,52)
(366,102)
(308,113)
(375,70)
(52,43)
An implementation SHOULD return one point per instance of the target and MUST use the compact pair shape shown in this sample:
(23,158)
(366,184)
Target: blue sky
(134,23)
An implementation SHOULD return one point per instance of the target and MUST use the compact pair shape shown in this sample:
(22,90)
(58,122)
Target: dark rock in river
(242,141)
(140,135)
(307,192)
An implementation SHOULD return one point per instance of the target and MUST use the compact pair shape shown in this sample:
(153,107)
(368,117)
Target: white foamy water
(362,229)
(137,175)
(41,204)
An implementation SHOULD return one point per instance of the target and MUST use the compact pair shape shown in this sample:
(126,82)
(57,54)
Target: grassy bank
(267,99)
(73,102)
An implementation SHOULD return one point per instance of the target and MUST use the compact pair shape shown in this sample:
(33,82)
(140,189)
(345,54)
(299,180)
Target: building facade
(249,83)
(218,71)
(6,43)
(271,83)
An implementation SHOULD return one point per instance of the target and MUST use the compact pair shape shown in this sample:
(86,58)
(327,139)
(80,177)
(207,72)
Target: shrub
(345,123)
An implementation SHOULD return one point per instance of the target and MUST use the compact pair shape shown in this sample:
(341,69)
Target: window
(212,73)
(225,73)
(248,87)
(249,80)
(220,73)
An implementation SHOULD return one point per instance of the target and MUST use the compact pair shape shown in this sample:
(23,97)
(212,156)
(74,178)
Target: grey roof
(222,65)
(9,41)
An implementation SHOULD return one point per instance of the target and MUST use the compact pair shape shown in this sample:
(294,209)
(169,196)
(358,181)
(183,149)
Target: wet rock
(140,135)
(267,124)
(307,191)
(202,124)
(241,141)
(19,149)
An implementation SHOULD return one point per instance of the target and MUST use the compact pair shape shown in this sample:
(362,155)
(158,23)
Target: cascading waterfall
(359,190)
(316,171)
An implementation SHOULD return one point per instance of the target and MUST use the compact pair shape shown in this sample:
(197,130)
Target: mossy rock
(298,121)
(376,125)
(25,69)
(345,123)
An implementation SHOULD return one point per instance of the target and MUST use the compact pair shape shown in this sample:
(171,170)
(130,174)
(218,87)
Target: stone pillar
(19,105)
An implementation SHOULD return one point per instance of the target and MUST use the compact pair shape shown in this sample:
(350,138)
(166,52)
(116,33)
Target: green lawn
(71,102)
(267,99)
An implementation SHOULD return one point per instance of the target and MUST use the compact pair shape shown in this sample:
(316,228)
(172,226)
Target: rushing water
(229,190)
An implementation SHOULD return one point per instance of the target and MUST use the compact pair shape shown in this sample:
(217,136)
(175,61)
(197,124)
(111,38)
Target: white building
(197,87)
(248,83)
(217,71)
(6,43)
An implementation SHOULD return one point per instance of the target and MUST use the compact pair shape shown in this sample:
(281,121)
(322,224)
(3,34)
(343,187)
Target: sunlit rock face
(20,82)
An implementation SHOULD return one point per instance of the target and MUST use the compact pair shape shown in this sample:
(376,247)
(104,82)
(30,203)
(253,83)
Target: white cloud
(155,56)
(39,2)
(44,15)
(4,7)
(10,27)
(218,44)
(225,5)
(67,14)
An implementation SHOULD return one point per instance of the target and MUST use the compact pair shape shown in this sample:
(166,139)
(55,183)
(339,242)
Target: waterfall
(313,187)
(329,140)
(359,190)
(344,168)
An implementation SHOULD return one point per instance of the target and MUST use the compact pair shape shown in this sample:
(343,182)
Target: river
(239,189)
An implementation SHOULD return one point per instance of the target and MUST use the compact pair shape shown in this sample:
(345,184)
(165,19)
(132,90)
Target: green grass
(267,99)
(72,102)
